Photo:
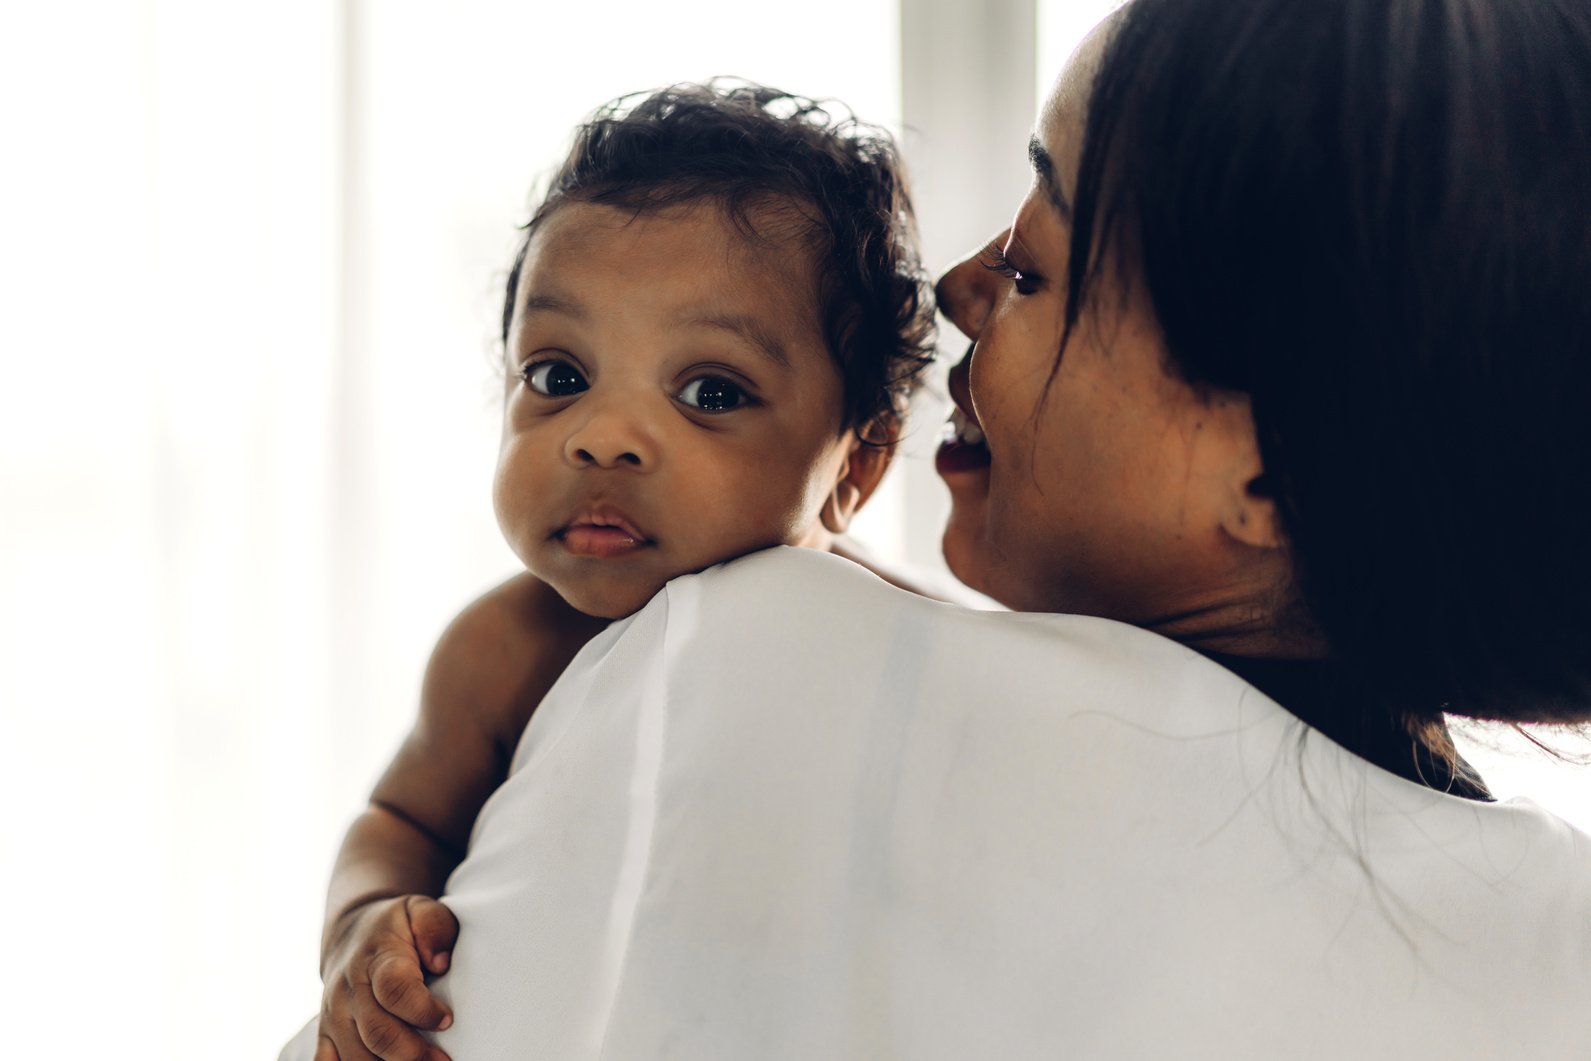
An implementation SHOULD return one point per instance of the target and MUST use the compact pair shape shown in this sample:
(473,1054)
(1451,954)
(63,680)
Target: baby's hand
(375,994)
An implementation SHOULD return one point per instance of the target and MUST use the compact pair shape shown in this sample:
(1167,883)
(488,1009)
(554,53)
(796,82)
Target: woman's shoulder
(793,760)
(790,604)
(787,588)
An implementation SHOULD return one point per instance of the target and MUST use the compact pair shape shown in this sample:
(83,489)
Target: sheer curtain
(254,256)
(169,428)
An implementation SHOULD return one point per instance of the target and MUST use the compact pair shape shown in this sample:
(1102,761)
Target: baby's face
(674,404)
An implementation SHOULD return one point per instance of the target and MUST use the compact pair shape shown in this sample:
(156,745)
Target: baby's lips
(607,516)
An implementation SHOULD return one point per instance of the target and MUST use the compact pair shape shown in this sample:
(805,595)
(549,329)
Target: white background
(252,257)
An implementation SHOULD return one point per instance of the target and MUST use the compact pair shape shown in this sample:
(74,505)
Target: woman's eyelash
(993,259)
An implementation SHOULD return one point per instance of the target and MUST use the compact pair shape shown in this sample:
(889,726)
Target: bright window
(255,257)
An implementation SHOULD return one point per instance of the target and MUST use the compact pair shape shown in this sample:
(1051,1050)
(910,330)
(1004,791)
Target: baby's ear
(867,458)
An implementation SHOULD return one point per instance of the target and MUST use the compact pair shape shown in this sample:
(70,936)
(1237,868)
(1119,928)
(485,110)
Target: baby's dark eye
(555,379)
(713,394)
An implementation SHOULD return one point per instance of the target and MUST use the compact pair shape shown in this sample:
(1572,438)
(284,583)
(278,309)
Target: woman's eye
(555,379)
(713,394)
(993,259)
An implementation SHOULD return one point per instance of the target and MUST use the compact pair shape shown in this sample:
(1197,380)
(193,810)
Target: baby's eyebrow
(553,304)
(746,328)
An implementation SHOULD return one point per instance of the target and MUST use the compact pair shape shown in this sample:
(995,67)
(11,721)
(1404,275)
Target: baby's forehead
(775,229)
(633,274)
(770,247)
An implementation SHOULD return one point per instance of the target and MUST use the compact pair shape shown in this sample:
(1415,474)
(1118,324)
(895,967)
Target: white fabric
(787,811)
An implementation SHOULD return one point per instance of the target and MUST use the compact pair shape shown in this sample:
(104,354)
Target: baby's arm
(384,928)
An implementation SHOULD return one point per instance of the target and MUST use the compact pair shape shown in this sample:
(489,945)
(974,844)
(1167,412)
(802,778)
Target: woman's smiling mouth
(961,447)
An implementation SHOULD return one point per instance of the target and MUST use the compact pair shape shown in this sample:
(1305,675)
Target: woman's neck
(1245,624)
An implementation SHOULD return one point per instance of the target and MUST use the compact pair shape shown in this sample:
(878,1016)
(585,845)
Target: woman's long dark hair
(1374,217)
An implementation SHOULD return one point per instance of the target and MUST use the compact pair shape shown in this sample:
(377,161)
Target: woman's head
(1108,485)
(1361,228)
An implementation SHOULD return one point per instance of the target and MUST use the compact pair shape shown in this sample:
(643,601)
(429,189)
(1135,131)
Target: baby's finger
(389,1038)
(346,1045)
(396,982)
(434,929)
(337,1039)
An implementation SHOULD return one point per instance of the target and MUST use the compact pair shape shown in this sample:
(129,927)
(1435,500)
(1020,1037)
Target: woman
(1279,362)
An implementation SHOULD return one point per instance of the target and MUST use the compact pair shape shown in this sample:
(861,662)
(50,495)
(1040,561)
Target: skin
(648,316)
(654,315)
(1114,488)
(489,671)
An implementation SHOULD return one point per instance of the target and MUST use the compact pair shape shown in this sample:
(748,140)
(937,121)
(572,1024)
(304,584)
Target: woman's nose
(612,436)
(968,292)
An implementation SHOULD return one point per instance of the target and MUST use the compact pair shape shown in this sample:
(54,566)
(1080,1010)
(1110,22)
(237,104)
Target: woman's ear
(866,460)
(1248,508)
(1251,517)
(1253,520)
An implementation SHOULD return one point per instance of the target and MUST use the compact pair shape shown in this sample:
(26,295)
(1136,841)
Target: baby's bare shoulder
(504,650)
(489,671)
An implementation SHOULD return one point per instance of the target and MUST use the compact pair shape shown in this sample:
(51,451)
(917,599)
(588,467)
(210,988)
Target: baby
(713,325)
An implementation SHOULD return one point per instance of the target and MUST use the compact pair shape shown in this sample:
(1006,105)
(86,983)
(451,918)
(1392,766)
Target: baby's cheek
(509,496)
(756,527)
(784,507)
(817,487)
(515,522)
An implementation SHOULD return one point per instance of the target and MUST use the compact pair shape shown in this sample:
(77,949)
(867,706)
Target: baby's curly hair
(745,146)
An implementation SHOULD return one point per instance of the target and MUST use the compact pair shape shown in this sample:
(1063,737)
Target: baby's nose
(611,438)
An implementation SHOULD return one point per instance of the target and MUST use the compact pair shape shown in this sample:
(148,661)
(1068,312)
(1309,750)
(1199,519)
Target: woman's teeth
(962,430)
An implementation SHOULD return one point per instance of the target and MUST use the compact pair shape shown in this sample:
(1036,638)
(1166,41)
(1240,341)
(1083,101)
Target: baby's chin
(605,598)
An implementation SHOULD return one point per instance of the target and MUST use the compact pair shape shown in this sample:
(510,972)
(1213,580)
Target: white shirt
(788,811)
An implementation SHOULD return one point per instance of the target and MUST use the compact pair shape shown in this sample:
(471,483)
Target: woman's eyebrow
(1044,169)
